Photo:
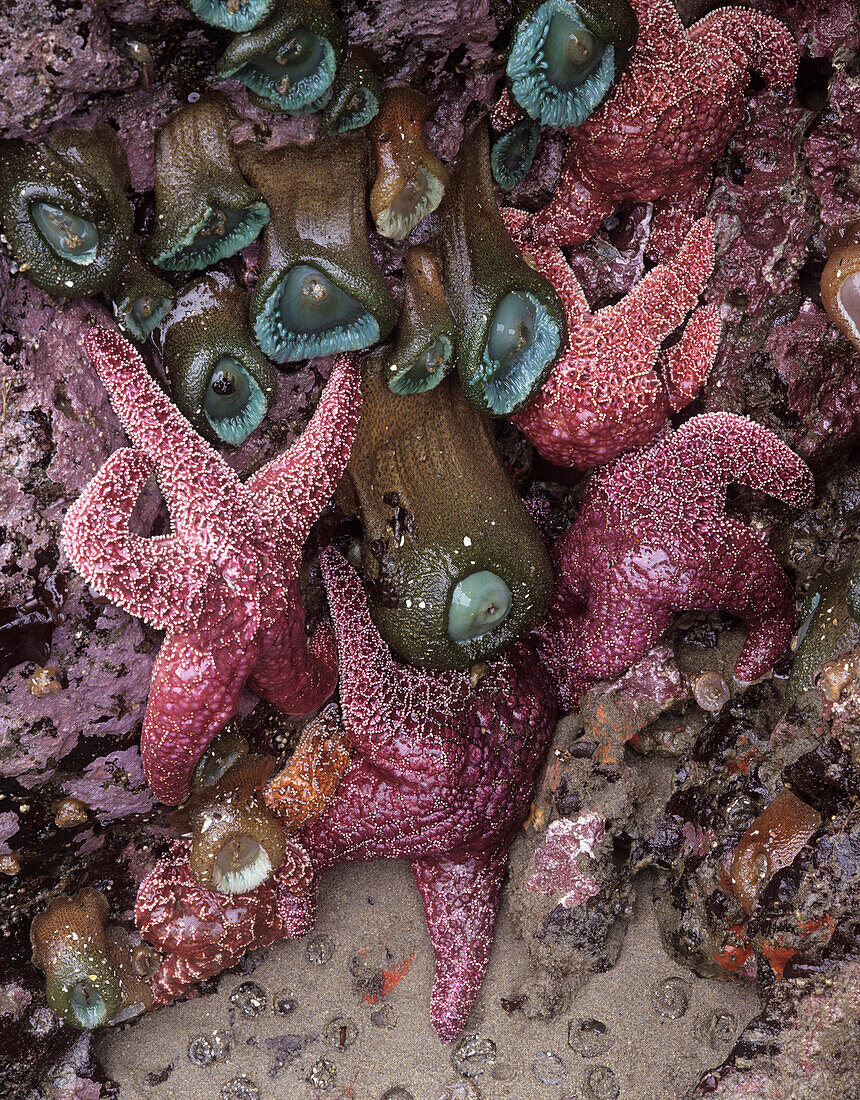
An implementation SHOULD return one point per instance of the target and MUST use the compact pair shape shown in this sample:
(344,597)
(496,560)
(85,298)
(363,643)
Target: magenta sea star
(667,120)
(652,538)
(604,395)
(223,583)
(443,777)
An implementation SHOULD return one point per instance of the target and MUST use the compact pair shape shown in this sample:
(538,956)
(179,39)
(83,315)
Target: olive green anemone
(319,291)
(232,15)
(70,947)
(64,209)
(454,567)
(218,378)
(289,62)
(566,56)
(355,96)
(410,180)
(513,153)
(424,350)
(205,209)
(236,842)
(510,320)
(222,752)
(141,298)
(828,631)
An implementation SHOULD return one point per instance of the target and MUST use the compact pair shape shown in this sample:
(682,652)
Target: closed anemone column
(510,320)
(64,209)
(218,378)
(205,210)
(319,291)
(355,96)
(424,349)
(141,298)
(289,62)
(70,947)
(566,56)
(454,568)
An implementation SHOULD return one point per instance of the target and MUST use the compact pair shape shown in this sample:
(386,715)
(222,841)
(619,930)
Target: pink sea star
(667,120)
(201,933)
(604,395)
(652,538)
(443,777)
(224,583)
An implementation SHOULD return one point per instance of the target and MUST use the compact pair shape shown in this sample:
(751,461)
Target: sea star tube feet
(667,120)
(652,538)
(443,776)
(612,388)
(223,583)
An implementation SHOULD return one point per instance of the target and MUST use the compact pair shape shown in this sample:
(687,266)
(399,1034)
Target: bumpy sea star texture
(665,123)
(652,538)
(443,777)
(201,932)
(611,388)
(224,583)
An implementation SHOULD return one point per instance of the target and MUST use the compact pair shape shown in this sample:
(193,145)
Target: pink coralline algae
(559,867)
(113,786)
(224,583)
(443,777)
(652,539)
(200,933)
(668,119)
(612,387)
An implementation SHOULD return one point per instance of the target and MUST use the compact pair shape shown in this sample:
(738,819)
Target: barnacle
(64,209)
(566,56)
(218,378)
(410,180)
(205,209)
(319,291)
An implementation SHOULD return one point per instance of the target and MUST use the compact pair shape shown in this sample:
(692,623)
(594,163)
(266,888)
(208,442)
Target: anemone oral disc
(479,603)
(69,235)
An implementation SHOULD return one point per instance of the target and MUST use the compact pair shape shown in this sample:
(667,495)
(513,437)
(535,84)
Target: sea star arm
(550,261)
(295,487)
(666,295)
(505,113)
(575,211)
(674,217)
(193,694)
(461,897)
(686,365)
(200,488)
(394,715)
(723,448)
(152,578)
(762,43)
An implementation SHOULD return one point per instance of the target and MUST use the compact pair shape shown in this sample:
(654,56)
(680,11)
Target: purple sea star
(652,539)
(612,387)
(667,120)
(443,777)
(223,583)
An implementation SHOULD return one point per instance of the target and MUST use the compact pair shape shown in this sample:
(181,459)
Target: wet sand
(370,919)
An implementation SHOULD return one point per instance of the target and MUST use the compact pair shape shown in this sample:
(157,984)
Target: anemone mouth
(420,196)
(87,1005)
(70,236)
(359,109)
(296,76)
(233,404)
(425,371)
(232,15)
(143,315)
(513,153)
(219,233)
(479,604)
(522,342)
(241,865)
(307,315)
(559,70)
(848,297)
